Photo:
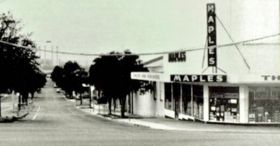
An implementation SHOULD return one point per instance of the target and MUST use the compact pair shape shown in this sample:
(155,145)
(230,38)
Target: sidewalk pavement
(10,112)
(173,124)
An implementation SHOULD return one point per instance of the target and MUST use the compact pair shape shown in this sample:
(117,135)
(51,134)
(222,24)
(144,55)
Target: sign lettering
(146,76)
(199,78)
(271,77)
(211,35)
(177,57)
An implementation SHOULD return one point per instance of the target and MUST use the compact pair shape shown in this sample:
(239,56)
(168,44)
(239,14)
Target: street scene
(139,72)
(56,121)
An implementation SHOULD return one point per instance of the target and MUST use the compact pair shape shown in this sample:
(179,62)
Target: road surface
(56,122)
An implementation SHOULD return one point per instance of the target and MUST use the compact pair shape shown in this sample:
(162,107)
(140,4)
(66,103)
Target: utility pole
(57,60)
(52,58)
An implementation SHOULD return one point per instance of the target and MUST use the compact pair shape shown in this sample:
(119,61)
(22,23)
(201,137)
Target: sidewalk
(10,112)
(175,125)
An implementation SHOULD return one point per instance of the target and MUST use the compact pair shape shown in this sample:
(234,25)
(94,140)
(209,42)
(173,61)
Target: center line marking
(37,112)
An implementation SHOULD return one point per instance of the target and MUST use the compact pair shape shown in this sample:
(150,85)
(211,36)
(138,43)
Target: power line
(143,54)
(262,44)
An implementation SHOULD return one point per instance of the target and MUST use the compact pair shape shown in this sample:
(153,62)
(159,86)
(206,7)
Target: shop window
(224,104)
(198,101)
(168,96)
(176,96)
(186,98)
(192,97)
(264,104)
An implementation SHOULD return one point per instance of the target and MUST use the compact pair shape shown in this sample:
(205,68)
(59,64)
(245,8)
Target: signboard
(146,76)
(271,77)
(211,35)
(177,57)
(199,78)
(254,78)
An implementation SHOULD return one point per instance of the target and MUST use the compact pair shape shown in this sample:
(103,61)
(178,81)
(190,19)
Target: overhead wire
(144,54)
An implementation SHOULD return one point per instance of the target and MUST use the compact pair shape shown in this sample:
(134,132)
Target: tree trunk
(110,105)
(129,103)
(81,99)
(0,106)
(123,100)
(25,98)
(32,95)
(115,104)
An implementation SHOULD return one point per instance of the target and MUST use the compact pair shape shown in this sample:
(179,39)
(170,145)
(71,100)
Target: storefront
(238,83)
(232,101)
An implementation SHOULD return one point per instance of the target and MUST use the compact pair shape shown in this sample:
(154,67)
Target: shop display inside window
(224,104)
(264,104)
(198,101)
(176,97)
(168,96)
(186,95)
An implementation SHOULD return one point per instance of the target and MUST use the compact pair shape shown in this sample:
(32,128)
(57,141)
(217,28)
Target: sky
(102,26)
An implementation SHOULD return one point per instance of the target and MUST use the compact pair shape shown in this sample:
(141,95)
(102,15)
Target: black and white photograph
(139,73)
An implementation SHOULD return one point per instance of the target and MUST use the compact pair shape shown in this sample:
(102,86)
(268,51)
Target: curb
(112,119)
(12,118)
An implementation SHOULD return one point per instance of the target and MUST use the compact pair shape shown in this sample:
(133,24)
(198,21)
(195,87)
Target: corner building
(246,86)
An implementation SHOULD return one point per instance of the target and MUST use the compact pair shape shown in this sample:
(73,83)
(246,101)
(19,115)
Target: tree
(111,75)
(57,75)
(70,78)
(19,66)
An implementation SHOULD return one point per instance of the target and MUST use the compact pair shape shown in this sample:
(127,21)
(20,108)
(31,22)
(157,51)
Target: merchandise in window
(224,104)
(264,104)
(168,96)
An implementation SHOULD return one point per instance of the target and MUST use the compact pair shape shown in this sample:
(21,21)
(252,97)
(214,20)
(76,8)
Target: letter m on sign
(211,35)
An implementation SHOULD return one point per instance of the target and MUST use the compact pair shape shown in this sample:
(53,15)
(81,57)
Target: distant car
(57,90)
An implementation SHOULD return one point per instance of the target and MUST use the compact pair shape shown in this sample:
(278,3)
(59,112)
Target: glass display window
(192,98)
(186,98)
(264,104)
(168,95)
(198,101)
(224,104)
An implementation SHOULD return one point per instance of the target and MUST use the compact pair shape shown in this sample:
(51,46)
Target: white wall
(145,104)
(160,100)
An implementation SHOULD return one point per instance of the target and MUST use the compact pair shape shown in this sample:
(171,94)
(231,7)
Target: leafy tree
(111,75)
(19,66)
(70,78)
(57,75)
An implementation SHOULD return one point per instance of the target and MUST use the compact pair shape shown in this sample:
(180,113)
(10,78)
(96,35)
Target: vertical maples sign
(211,35)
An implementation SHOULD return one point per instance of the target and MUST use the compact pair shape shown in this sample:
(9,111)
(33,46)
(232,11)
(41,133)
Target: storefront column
(205,103)
(244,103)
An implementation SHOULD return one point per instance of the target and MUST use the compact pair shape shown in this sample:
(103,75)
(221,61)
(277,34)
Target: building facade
(244,87)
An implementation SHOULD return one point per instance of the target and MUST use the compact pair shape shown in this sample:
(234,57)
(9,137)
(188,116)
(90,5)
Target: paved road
(57,123)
